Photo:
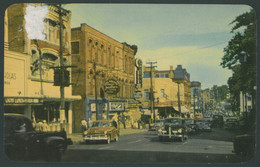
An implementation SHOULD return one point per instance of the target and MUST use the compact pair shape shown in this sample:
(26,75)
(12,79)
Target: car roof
(101,121)
(174,118)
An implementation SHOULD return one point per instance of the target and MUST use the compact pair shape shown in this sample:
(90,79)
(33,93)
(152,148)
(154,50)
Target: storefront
(36,99)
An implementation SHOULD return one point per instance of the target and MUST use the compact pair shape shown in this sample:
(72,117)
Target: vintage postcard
(129,83)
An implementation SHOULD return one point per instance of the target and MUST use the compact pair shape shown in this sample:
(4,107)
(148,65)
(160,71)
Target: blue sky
(191,35)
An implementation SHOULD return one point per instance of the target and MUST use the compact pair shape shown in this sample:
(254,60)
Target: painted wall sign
(14,77)
(111,87)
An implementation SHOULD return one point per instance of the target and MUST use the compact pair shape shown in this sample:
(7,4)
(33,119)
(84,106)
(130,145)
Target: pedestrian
(123,121)
(84,126)
(45,127)
(114,123)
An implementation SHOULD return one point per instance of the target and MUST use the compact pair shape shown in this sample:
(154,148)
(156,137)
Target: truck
(23,143)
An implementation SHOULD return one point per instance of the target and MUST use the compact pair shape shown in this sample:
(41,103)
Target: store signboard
(117,106)
(22,100)
(111,87)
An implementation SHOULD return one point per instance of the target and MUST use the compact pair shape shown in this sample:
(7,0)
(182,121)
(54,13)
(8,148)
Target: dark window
(147,74)
(75,47)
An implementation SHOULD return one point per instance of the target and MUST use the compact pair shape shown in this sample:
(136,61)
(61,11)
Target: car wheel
(108,140)
(117,138)
(182,138)
(160,138)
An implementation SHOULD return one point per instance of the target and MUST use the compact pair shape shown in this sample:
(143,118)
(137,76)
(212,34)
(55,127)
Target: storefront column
(28,111)
(70,119)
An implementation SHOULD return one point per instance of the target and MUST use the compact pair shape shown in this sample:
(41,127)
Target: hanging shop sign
(117,106)
(22,100)
(111,87)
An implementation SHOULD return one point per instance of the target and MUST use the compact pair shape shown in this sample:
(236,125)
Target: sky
(193,36)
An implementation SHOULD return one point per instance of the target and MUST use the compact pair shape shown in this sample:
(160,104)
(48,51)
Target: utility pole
(194,102)
(151,88)
(62,100)
(179,101)
(95,78)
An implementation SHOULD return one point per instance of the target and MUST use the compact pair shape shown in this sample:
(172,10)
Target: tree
(244,73)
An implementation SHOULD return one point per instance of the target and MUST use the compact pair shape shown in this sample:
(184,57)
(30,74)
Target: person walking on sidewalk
(84,126)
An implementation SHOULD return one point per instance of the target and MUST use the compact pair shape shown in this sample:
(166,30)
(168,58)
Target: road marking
(134,141)
(185,142)
(102,148)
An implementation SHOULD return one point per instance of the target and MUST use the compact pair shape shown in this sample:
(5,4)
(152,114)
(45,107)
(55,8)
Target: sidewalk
(77,137)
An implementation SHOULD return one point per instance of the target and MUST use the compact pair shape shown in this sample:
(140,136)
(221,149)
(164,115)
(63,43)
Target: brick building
(98,58)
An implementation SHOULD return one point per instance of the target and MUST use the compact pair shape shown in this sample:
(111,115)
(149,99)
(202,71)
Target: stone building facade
(97,58)
(29,68)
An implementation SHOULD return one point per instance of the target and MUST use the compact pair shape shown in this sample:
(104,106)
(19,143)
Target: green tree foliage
(220,92)
(244,73)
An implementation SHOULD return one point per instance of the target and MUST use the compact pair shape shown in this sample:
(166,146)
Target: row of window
(111,59)
(147,74)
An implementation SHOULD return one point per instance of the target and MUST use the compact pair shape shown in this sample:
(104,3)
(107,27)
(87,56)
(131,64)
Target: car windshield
(173,121)
(231,120)
(189,121)
(100,124)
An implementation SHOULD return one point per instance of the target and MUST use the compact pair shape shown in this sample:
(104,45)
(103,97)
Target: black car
(217,121)
(23,143)
(174,128)
(192,127)
(231,124)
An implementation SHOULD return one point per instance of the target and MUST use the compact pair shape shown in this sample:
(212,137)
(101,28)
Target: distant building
(165,90)
(182,78)
(196,99)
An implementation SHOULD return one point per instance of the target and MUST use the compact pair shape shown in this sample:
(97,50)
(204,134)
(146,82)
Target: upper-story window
(162,76)
(147,74)
(75,47)
(146,94)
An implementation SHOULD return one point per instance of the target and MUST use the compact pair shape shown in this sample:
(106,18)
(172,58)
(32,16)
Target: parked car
(155,126)
(203,125)
(217,121)
(101,130)
(173,128)
(244,144)
(22,142)
(192,128)
(231,124)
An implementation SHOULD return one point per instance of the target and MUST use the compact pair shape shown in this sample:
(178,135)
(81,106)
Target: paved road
(207,147)
(148,141)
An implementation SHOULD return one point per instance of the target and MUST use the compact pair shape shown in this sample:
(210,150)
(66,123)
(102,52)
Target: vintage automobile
(244,144)
(231,124)
(155,126)
(192,128)
(203,125)
(101,130)
(173,128)
(23,143)
(217,121)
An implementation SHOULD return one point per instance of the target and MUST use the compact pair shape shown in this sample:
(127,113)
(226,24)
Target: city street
(207,147)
